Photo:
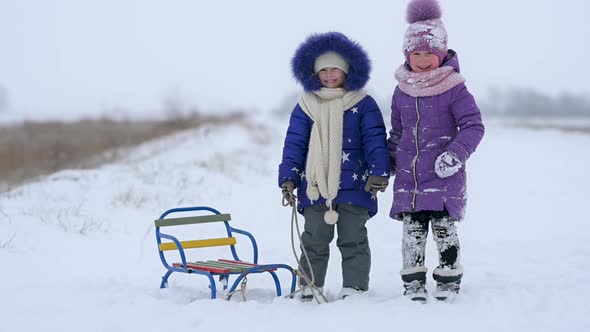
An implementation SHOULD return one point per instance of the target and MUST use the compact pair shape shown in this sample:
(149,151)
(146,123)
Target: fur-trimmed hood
(315,45)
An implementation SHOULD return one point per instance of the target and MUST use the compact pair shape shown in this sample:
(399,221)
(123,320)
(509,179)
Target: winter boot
(307,294)
(349,292)
(415,283)
(416,291)
(448,283)
(447,291)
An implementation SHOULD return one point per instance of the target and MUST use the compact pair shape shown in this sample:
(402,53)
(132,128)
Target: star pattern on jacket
(345,157)
(354,110)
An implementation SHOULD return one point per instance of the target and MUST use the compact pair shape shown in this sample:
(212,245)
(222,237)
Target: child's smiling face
(331,77)
(423,61)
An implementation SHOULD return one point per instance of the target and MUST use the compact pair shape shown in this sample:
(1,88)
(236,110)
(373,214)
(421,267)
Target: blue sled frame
(222,276)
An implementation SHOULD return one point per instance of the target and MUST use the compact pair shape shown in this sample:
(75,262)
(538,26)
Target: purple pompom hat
(426,31)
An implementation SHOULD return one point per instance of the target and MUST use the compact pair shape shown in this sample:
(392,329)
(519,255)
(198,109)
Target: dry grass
(34,149)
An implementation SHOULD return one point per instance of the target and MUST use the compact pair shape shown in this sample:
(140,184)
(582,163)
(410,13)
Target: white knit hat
(330,60)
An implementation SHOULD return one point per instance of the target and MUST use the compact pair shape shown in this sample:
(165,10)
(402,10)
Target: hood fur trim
(302,63)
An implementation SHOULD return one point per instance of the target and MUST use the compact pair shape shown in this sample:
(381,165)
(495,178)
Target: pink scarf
(430,83)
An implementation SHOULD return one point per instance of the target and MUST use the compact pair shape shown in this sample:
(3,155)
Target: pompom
(422,10)
(331,217)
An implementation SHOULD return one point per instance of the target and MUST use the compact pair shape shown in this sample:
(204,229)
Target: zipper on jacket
(415,161)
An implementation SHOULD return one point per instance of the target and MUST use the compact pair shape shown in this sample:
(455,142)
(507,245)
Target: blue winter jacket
(364,153)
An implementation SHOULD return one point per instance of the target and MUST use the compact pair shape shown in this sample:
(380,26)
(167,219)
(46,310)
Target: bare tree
(529,102)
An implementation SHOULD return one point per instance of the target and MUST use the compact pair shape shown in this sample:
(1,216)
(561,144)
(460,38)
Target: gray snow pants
(352,242)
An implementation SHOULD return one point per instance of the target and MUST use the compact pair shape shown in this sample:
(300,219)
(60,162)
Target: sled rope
(318,295)
(242,290)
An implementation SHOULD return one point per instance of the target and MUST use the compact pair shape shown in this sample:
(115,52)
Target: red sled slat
(202,268)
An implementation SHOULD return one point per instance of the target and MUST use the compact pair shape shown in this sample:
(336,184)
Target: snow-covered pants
(352,242)
(415,233)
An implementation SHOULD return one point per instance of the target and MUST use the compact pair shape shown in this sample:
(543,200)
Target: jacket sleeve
(374,138)
(395,133)
(468,119)
(295,147)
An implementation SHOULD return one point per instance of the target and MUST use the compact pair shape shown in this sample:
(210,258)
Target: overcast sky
(60,57)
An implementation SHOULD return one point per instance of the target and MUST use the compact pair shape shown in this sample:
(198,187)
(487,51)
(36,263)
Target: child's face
(332,77)
(423,61)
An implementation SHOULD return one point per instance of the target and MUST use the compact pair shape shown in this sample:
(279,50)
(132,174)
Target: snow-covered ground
(78,248)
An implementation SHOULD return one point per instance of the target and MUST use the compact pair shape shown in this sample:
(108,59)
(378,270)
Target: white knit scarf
(326,108)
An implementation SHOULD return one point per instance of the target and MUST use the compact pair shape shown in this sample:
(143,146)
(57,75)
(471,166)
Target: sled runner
(221,268)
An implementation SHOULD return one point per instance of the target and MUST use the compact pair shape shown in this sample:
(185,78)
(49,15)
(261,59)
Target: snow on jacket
(364,140)
(421,129)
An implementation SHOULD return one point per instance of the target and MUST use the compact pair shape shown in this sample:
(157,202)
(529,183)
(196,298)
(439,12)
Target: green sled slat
(192,220)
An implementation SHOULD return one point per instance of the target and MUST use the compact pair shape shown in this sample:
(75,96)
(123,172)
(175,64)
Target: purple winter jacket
(422,129)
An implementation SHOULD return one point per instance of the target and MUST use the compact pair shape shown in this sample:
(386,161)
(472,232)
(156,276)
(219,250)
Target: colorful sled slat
(222,266)
(244,264)
(202,268)
(192,220)
(236,262)
(237,267)
(214,264)
(224,241)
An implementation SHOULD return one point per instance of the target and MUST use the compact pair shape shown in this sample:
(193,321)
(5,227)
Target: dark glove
(288,196)
(376,183)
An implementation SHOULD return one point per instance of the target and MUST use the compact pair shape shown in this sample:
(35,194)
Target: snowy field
(78,249)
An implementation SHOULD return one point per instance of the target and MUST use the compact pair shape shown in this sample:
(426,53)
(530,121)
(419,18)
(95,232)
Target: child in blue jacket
(336,156)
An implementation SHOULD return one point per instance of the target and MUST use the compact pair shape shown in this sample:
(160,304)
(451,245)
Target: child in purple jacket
(436,126)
